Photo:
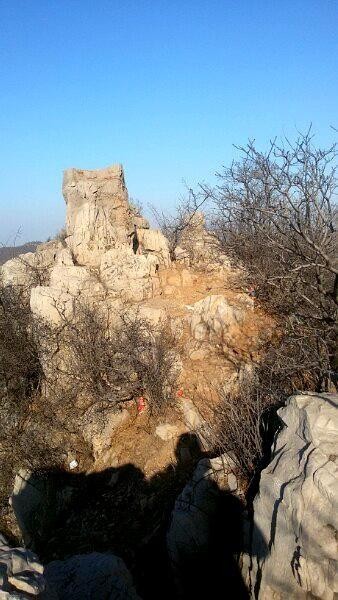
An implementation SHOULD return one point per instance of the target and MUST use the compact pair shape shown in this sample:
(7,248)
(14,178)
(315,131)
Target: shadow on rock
(178,533)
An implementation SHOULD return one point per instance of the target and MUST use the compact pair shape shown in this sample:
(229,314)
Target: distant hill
(8,252)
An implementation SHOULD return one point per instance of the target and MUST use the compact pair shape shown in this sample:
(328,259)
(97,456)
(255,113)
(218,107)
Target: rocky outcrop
(111,264)
(100,218)
(204,532)
(108,252)
(198,246)
(80,577)
(294,543)
(32,268)
(83,577)
(21,573)
(98,214)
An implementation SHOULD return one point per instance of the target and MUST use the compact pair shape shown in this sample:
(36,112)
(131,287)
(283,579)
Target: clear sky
(163,86)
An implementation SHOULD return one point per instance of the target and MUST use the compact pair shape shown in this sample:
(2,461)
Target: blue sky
(163,86)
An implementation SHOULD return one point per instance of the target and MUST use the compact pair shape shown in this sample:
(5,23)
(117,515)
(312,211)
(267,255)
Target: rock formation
(21,573)
(205,536)
(110,260)
(294,543)
(198,246)
(109,251)
(96,575)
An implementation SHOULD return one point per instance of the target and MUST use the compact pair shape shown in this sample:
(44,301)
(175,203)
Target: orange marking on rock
(141,404)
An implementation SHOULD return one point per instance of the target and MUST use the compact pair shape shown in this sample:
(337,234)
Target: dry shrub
(22,433)
(180,226)
(245,420)
(275,214)
(102,358)
(150,353)
(20,369)
(239,427)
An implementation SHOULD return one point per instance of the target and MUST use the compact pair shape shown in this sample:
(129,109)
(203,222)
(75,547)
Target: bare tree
(275,213)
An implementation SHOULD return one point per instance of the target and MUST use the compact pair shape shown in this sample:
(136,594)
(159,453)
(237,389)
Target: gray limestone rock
(294,545)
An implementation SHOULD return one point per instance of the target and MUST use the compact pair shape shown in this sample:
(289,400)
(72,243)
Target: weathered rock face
(294,545)
(109,251)
(98,213)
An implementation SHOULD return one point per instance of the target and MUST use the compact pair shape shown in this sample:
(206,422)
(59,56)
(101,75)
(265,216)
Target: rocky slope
(288,549)
(114,262)
(111,261)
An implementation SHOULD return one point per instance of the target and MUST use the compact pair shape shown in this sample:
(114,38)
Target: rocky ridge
(114,262)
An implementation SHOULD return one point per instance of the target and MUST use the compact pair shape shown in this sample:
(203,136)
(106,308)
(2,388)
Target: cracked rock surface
(294,542)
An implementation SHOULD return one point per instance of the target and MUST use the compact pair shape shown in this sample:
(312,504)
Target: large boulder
(21,574)
(205,532)
(19,271)
(80,577)
(84,577)
(212,317)
(294,544)
(32,268)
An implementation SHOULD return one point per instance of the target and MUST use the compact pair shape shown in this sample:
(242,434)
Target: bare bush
(275,213)
(37,273)
(113,363)
(20,369)
(243,420)
(175,226)
(51,375)
(61,235)
(237,429)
